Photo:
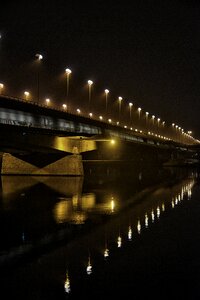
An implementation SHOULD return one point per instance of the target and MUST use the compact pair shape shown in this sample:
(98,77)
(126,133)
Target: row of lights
(68,72)
(64,106)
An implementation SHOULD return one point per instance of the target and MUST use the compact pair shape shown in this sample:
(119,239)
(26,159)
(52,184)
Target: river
(122,230)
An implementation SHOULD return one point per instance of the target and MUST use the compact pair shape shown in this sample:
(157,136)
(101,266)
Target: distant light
(106,252)
(47,101)
(130,104)
(64,106)
(27,94)
(68,71)
(119,241)
(107,91)
(112,142)
(90,82)
(39,56)
(78,111)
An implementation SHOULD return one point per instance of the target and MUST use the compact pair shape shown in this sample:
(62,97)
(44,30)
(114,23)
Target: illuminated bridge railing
(41,116)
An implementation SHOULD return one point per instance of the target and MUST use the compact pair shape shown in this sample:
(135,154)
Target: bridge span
(39,140)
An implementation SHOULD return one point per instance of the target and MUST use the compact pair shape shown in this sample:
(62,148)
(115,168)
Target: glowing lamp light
(39,56)
(68,71)
(47,101)
(90,82)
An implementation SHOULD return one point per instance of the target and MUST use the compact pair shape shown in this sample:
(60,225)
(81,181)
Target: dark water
(121,231)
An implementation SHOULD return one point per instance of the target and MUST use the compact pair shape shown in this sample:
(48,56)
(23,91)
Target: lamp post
(120,104)
(26,94)
(130,107)
(47,101)
(64,106)
(147,113)
(106,94)
(90,83)
(1,87)
(68,72)
(39,57)
(139,110)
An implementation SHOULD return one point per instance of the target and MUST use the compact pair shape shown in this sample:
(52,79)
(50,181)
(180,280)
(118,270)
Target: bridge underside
(31,153)
(28,153)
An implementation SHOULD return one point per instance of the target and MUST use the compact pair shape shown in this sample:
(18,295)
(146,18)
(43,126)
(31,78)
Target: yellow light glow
(39,56)
(138,226)
(64,106)
(90,82)
(119,241)
(129,233)
(89,267)
(67,284)
(68,71)
(112,205)
(106,252)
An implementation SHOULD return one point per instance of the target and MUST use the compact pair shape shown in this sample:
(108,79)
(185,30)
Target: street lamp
(47,101)
(106,94)
(90,83)
(147,113)
(26,94)
(139,110)
(64,106)
(130,106)
(39,57)
(1,87)
(120,104)
(68,72)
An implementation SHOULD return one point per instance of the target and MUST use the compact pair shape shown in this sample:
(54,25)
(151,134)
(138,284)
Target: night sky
(146,51)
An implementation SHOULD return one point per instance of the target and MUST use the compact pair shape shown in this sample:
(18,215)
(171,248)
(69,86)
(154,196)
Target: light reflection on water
(114,216)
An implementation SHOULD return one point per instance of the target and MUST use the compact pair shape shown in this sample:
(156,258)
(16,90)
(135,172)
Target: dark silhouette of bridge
(37,139)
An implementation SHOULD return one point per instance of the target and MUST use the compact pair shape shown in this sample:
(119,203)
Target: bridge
(42,140)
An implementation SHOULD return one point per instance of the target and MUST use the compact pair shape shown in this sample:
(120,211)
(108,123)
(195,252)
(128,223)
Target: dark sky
(146,51)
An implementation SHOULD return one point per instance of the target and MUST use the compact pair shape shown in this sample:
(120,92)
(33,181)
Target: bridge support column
(70,165)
